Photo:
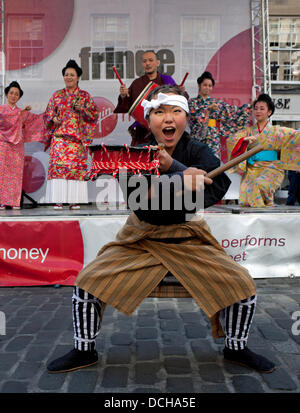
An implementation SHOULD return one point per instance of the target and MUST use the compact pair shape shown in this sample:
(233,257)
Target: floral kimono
(68,141)
(16,127)
(263,173)
(209,126)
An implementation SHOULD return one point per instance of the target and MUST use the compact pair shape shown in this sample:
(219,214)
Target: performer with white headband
(150,63)
(156,243)
(164,99)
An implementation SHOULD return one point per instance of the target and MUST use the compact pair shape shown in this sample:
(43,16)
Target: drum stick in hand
(235,161)
(118,76)
(183,80)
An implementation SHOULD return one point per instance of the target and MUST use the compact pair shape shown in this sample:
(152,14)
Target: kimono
(68,141)
(210,126)
(16,128)
(153,243)
(263,173)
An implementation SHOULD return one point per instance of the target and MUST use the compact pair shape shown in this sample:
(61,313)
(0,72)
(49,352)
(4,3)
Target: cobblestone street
(164,347)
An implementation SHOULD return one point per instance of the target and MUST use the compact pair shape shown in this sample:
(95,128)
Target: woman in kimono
(263,173)
(211,118)
(70,119)
(16,127)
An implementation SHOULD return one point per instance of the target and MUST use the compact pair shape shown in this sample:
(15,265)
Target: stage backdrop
(54,251)
(188,36)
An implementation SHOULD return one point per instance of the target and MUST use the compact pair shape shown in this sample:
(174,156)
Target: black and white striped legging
(88,310)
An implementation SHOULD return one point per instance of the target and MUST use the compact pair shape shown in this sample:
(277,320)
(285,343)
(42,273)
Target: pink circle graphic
(33,32)
(34,174)
(107,120)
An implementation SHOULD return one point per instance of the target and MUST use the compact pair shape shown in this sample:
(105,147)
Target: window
(285,48)
(200,39)
(108,34)
(25,45)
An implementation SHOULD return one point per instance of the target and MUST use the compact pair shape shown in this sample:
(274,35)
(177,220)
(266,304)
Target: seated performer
(153,244)
(263,173)
(127,97)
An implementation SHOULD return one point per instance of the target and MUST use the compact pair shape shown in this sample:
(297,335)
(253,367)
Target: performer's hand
(78,107)
(251,139)
(124,91)
(213,106)
(56,120)
(195,179)
(182,88)
(27,108)
(165,160)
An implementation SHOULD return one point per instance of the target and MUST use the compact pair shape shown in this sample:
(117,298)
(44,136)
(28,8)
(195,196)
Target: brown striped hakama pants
(131,268)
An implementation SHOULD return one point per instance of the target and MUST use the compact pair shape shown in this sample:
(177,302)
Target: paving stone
(146,390)
(145,322)
(121,339)
(146,373)
(192,317)
(232,368)
(195,331)
(14,387)
(179,385)
(247,384)
(292,361)
(45,337)
(26,370)
(203,351)
(83,381)
(32,327)
(174,351)
(59,324)
(279,380)
(211,372)
(170,325)
(115,377)
(19,343)
(167,314)
(215,388)
(118,355)
(38,352)
(147,350)
(146,313)
(273,333)
(276,312)
(8,360)
(172,338)
(51,381)
(144,333)
(176,365)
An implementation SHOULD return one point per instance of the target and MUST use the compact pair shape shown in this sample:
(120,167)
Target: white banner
(266,244)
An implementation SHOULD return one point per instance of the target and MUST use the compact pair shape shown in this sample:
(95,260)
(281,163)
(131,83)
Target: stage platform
(92,210)
(42,246)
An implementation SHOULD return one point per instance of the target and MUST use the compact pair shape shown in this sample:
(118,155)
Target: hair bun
(72,64)
(14,83)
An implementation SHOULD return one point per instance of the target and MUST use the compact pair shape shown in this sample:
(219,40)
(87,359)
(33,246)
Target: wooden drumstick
(235,161)
(183,80)
(118,76)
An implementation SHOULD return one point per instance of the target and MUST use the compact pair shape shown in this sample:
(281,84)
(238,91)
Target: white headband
(163,99)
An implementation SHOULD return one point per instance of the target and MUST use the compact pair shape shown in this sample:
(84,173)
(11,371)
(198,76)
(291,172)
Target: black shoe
(247,358)
(73,360)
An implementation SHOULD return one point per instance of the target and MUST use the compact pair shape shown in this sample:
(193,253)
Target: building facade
(284,38)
